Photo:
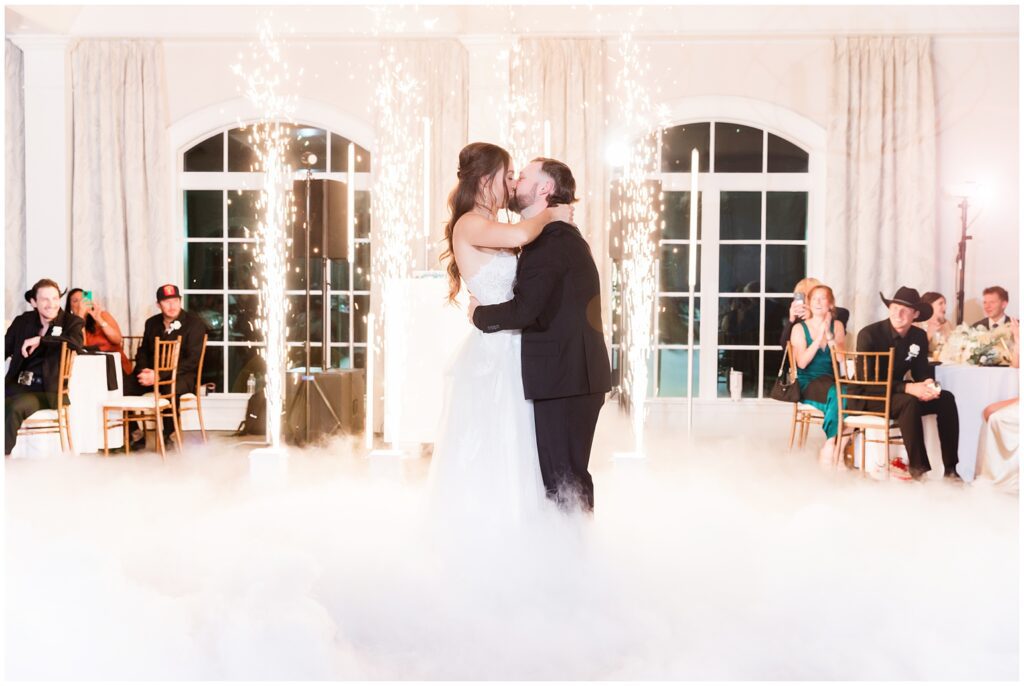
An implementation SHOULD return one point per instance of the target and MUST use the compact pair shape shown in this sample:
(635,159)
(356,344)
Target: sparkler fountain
(639,218)
(400,149)
(275,212)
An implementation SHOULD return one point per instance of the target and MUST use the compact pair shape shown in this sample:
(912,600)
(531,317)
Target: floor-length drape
(120,226)
(882,228)
(14,191)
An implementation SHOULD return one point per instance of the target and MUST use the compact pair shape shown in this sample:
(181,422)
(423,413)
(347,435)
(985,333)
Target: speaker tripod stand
(307,380)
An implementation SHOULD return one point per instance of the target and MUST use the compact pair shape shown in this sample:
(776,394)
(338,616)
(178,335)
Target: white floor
(713,559)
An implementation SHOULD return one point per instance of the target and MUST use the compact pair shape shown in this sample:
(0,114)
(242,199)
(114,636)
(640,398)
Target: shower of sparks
(638,214)
(265,87)
(523,132)
(396,210)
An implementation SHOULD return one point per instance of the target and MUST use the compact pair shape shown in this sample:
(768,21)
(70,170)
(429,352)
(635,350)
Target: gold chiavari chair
(153,407)
(56,421)
(866,377)
(804,415)
(193,402)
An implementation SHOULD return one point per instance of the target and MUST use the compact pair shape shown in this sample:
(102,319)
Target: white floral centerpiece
(979,347)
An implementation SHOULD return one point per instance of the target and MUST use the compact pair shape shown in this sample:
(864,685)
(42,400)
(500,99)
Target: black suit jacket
(880,336)
(191,332)
(557,304)
(27,325)
(985,323)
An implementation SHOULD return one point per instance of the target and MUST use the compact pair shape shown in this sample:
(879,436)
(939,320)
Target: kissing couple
(524,391)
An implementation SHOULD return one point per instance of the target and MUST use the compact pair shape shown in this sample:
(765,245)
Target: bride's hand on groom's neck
(561,213)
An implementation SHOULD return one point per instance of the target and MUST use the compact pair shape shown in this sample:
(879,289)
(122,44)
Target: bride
(485,467)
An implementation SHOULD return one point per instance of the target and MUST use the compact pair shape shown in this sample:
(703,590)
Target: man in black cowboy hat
(917,397)
(32,341)
(172,322)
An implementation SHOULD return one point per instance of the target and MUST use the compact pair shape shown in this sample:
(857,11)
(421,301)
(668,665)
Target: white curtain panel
(14,239)
(882,219)
(442,69)
(565,78)
(120,226)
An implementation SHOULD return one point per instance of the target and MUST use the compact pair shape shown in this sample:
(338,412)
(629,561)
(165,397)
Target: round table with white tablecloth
(975,388)
(87,392)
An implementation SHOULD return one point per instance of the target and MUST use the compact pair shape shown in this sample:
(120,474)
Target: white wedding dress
(484,471)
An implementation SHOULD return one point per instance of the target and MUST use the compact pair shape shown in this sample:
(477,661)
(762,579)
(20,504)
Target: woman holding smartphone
(101,329)
(799,311)
(812,342)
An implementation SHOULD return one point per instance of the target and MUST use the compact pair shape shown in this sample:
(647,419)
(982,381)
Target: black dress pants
(908,410)
(19,403)
(565,435)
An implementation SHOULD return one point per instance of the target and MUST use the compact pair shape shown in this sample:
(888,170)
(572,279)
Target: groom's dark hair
(564,192)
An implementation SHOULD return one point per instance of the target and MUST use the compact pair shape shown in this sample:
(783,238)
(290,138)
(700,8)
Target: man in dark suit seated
(919,396)
(994,300)
(33,341)
(172,322)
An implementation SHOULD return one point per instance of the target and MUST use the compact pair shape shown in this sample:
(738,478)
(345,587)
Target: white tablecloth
(975,388)
(87,391)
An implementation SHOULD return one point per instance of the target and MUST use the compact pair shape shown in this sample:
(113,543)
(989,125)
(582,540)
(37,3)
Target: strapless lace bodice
(493,283)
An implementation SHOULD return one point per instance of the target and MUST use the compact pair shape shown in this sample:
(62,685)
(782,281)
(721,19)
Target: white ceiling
(446,20)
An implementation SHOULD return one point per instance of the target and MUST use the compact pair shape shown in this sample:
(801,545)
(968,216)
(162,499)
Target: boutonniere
(175,325)
(915,349)
(56,331)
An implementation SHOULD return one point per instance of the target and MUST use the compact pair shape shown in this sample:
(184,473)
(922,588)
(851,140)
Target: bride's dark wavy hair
(477,162)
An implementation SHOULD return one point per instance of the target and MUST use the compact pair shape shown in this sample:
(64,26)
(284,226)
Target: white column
(47,158)
(488,87)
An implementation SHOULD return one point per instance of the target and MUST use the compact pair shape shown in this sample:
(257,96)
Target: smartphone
(87,296)
(798,298)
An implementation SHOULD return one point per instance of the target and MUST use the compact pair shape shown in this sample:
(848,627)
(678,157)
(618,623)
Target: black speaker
(328,209)
(344,390)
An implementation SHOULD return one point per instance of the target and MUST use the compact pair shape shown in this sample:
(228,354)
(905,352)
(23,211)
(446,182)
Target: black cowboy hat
(911,298)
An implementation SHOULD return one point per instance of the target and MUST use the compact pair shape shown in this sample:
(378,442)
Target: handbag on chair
(784,389)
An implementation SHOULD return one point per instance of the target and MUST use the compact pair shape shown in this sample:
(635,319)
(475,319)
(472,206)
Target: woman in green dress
(812,341)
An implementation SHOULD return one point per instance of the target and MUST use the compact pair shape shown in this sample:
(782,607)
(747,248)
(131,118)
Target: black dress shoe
(953,477)
(138,443)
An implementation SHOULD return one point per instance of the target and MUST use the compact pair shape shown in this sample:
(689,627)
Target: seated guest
(172,322)
(32,342)
(998,456)
(811,343)
(798,310)
(919,396)
(101,329)
(994,301)
(937,327)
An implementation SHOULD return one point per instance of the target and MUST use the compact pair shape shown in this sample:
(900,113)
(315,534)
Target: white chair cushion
(188,396)
(867,422)
(131,402)
(810,409)
(42,416)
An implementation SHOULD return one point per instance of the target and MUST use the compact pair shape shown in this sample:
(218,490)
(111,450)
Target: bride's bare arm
(482,232)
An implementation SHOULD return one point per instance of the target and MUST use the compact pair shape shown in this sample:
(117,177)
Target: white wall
(339,75)
(979,132)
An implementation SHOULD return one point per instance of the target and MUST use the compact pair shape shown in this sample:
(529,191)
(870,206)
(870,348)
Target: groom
(557,304)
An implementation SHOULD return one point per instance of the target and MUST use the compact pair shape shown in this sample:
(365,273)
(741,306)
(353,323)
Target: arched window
(218,214)
(753,246)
